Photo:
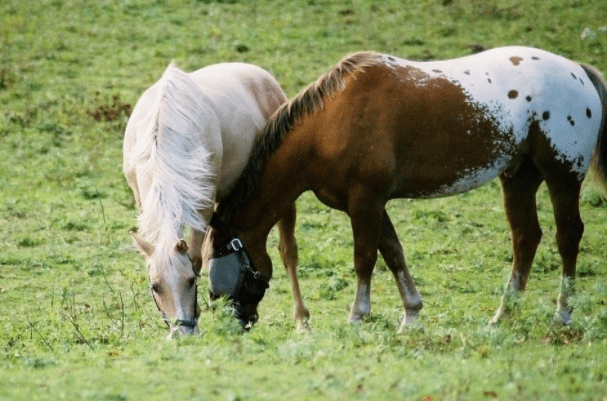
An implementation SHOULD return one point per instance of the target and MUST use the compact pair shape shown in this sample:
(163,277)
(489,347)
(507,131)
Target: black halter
(250,285)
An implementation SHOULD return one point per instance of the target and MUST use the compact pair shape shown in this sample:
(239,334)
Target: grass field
(76,318)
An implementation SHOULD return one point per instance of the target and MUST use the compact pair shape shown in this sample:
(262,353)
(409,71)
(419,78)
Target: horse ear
(144,247)
(181,247)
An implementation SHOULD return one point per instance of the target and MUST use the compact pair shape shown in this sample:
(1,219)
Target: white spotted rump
(517,86)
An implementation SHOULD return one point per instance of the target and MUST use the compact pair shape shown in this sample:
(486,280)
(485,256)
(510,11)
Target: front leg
(366,219)
(288,252)
(393,255)
(196,240)
(195,250)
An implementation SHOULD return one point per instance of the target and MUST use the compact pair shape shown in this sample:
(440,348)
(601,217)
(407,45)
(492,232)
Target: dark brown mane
(284,120)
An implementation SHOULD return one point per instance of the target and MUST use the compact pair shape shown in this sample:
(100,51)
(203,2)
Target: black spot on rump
(391,58)
(467,72)
(535,58)
(545,115)
(573,75)
(437,71)
(588,112)
(512,94)
(489,80)
(528,98)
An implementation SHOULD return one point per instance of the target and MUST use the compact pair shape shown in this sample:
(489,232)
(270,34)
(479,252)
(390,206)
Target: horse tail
(599,163)
(170,155)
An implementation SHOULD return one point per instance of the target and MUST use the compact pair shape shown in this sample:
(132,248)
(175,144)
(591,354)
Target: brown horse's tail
(599,163)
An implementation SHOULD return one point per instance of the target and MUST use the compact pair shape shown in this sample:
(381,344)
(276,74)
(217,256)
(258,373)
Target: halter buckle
(236,244)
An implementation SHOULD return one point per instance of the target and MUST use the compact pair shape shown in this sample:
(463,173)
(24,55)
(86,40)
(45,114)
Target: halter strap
(254,283)
(219,225)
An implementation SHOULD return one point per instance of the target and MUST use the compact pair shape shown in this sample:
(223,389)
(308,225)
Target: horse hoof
(501,313)
(303,327)
(357,316)
(495,321)
(563,317)
(410,323)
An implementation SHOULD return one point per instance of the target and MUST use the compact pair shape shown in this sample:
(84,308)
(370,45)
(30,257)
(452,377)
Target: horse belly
(446,142)
(441,180)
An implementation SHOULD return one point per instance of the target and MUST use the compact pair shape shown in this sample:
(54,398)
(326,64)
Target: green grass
(76,318)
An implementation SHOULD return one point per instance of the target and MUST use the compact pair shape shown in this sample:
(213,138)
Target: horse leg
(393,255)
(564,193)
(195,242)
(365,217)
(288,252)
(519,200)
(195,249)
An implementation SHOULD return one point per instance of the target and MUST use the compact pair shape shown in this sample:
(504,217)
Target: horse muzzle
(232,274)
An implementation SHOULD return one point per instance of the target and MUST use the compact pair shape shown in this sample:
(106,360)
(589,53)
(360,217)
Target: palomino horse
(185,146)
(377,127)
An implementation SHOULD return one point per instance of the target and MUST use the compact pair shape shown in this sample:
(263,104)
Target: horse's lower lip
(188,329)
(189,332)
(183,330)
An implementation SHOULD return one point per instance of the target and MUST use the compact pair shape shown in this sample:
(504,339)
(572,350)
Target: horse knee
(364,263)
(569,236)
(530,237)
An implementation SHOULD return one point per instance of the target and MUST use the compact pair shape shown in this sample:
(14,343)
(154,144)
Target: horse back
(243,97)
(440,128)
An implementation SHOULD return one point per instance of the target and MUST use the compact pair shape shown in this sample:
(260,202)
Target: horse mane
(284,120)
(171,157)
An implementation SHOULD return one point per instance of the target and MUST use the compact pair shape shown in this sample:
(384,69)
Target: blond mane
(172,158)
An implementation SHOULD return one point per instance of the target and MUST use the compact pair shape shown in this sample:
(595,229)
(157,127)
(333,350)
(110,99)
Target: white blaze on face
(174,288)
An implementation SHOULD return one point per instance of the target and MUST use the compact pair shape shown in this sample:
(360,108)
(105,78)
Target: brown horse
(376,127)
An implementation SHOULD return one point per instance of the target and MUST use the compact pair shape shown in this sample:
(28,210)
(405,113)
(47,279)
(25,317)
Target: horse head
(173,284)
(232,273)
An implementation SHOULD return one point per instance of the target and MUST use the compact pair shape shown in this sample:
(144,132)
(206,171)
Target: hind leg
(288,252)
(519,201)
(393,255)
(564,193)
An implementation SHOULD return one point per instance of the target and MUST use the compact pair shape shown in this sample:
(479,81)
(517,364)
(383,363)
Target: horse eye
(156,288)
(192,282)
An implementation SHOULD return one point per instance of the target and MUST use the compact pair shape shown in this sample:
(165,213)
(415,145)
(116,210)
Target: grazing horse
(377,127)
(186,143)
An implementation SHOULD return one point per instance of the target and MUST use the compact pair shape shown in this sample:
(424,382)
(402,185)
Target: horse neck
(174,159)
(284,179)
